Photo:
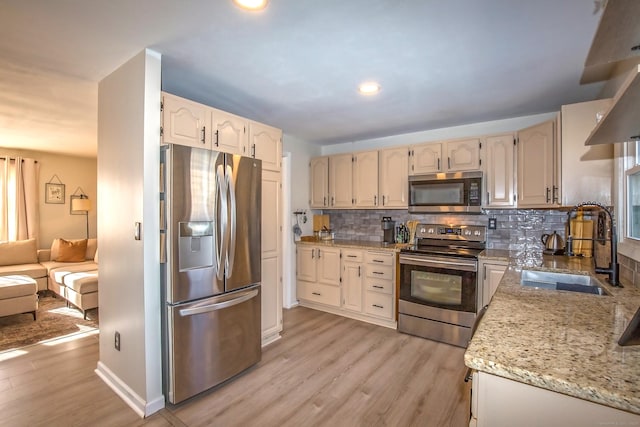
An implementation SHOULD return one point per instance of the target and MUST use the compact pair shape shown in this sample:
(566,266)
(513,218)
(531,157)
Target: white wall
(128,171)
(298,153)
(74,172)
(470,130)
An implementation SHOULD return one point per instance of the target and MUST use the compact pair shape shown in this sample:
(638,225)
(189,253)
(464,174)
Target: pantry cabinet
(271,246)
(538,185)
(365,179)
(500,179)
(393,177)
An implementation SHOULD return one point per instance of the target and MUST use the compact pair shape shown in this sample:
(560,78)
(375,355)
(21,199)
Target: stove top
(449,240)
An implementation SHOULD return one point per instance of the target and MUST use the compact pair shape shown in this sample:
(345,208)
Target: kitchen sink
(562,282)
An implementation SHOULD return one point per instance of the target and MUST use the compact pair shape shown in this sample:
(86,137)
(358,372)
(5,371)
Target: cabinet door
(328,266)
(306,263)
(586,170)
(394,173)
(341,181)
(185,122)
(463,155)
(271,255)
(365,179)
(319,182)
(426,158)
(352,275)
(492,274)
(536,155)
(265,143)
(229,133)
(499,171)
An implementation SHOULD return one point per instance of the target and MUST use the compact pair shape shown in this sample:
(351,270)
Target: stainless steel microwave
(446,192)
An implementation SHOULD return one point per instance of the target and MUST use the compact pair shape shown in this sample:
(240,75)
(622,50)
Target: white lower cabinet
(500,402)
(364,290)
(491,274)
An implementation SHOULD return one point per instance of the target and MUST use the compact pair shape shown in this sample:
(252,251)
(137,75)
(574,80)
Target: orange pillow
(71,251)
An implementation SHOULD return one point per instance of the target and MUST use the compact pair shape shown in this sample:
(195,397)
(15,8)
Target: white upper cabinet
(393,177)
(319,183)
(265,143)
(341,181)
(450,156)
(185,122)
(365,179)
(426,158)
(587,171)
(537,156)
(500,171)
(463,155)
(229,133)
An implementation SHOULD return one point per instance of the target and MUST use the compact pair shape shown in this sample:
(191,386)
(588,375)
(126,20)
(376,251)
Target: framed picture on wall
(54,193)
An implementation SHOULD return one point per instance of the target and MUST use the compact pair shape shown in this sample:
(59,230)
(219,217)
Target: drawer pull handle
(316,293)
(377,306)
(378,260)
(351,256)
(378,272)
(378,287)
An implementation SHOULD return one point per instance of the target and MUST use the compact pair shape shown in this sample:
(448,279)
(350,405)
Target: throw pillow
(18,252)
(71,251)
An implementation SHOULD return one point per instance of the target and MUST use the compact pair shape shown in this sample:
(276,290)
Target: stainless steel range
(438,282)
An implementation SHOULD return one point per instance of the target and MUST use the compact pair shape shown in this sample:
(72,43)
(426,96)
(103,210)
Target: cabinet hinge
(353,159)
(161,106)
(480,162)
(341,280)
(161,131)
(515,198)
(340,254)
(481,145)
(514,141)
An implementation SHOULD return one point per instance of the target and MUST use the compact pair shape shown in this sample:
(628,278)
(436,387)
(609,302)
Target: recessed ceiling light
(369,88)
(252,4)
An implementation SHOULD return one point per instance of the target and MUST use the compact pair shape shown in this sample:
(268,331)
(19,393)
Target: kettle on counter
(553,243)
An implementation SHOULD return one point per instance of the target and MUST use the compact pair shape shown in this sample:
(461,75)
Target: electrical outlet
(493,223)
(116,341)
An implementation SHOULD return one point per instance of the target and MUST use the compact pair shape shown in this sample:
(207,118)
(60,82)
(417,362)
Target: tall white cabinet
(186,122)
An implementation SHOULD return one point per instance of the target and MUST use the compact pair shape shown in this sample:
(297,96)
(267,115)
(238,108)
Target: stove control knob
(423,230)
(467,232)
(431,231)
(476,233)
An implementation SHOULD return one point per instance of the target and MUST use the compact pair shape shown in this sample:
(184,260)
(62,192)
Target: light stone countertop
(560,341)
(359,244)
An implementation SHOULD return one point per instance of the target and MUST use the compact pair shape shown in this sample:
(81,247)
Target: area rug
(53,319)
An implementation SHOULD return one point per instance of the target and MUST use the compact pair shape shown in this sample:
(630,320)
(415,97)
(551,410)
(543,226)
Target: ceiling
(296,65)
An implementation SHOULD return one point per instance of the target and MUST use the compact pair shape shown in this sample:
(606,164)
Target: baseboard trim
(131,398)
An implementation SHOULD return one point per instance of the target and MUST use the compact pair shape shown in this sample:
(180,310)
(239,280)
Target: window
(631,167)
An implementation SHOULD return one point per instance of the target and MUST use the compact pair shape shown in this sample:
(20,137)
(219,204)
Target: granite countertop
(360,244)
(561,341)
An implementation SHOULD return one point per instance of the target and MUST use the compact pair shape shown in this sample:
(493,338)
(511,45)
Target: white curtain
(19,216)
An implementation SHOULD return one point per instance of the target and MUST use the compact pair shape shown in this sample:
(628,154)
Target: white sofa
(21,258)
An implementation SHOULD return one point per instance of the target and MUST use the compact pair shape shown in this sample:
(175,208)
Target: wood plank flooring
(325,371)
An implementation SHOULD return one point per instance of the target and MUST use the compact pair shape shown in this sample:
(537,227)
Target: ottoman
(82,290)
(18,294)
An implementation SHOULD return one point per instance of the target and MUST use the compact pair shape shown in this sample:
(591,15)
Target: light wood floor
(325,371)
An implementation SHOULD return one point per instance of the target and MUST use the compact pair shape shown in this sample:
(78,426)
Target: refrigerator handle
(231,251)
(221,241)
(206,307)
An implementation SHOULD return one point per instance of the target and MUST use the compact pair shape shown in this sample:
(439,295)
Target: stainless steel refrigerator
(210,264)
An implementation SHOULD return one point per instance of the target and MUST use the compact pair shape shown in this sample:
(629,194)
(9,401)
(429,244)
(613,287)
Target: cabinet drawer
(378,285)
(351,255)
(317,292)
(379,258)
(378,304)
(379,272)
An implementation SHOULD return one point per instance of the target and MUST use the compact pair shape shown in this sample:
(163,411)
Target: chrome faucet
(614,268)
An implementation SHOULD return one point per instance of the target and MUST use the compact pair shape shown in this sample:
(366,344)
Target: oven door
(440,282)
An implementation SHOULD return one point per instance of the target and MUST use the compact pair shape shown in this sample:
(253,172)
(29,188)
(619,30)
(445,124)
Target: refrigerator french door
(211,267)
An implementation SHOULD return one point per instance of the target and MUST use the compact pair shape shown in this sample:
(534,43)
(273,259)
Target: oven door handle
(459,264)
